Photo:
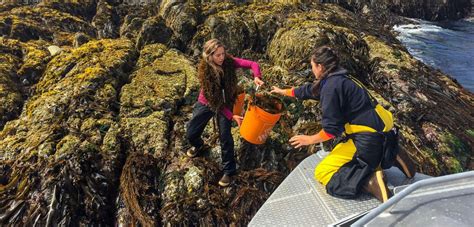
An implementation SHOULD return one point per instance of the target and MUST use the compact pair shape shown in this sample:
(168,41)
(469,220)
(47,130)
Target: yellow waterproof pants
(344,152)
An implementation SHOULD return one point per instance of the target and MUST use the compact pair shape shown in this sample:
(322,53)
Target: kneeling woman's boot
(404,163)
(377,186)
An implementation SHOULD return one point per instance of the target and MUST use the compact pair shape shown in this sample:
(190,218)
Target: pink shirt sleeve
(227,113)
(243,63)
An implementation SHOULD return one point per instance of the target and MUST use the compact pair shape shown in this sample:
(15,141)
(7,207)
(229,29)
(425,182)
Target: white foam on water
(422,28)
(448,46)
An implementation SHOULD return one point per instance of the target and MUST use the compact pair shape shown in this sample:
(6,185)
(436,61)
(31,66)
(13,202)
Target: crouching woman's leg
(341,172)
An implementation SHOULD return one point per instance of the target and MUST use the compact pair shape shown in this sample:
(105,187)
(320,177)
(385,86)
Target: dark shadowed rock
(182,17)
(429,10)
(10,91)
(154,30)
(84,9)
(31,23)
(293,44)
(230,27)
(79,39)
(241,28)
(131,27)
(105,21)
(132,18)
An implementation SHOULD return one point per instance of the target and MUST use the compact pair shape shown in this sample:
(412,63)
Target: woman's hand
(258,81)
(277,90)
(238,119)
(302,140)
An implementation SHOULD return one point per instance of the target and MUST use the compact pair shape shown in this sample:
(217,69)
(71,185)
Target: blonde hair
(209,48)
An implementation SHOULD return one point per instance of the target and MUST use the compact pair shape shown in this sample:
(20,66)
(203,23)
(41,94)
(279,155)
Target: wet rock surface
(95,134)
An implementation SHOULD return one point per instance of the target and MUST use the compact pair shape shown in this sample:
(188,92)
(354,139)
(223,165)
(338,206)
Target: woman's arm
(303,92)
(230,116)
(290,92)
(304,140)
(243,63)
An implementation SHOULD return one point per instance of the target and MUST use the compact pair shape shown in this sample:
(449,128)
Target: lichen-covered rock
(164,77)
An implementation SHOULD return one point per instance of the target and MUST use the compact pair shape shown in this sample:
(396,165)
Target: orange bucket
(239,105)
(258,124)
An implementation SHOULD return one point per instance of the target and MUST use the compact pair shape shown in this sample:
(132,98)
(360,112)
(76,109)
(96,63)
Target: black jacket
(342,101)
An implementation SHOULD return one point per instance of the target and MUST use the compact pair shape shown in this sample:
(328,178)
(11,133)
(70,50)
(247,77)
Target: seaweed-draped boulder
(60,158)
(27,22)
(436,114)
(106,21)
(163,77)
(242,28)
(182,17)
(11,98)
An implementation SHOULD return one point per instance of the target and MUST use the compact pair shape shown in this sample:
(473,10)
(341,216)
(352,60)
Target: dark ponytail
(327,57)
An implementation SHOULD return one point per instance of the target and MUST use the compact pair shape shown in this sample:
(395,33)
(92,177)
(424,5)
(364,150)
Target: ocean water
(448,46)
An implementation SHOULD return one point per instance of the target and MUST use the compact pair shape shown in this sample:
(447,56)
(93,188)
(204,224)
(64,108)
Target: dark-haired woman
(353,117)
(218,81)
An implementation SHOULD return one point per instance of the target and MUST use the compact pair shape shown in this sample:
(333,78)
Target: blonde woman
(218,80)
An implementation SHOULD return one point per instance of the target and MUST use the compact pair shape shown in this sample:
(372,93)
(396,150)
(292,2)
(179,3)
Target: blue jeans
(201,116)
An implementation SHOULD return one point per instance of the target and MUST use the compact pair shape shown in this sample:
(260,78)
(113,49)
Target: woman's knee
(324,170)
(320,172)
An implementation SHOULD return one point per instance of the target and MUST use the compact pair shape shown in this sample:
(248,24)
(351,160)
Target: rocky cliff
(95,96)
(428,10)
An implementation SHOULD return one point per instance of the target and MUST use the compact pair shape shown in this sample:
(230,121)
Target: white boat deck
(301,201)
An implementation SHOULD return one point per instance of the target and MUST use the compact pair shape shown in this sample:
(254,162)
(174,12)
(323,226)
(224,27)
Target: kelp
(139,191)
(269,103)
(101,139)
